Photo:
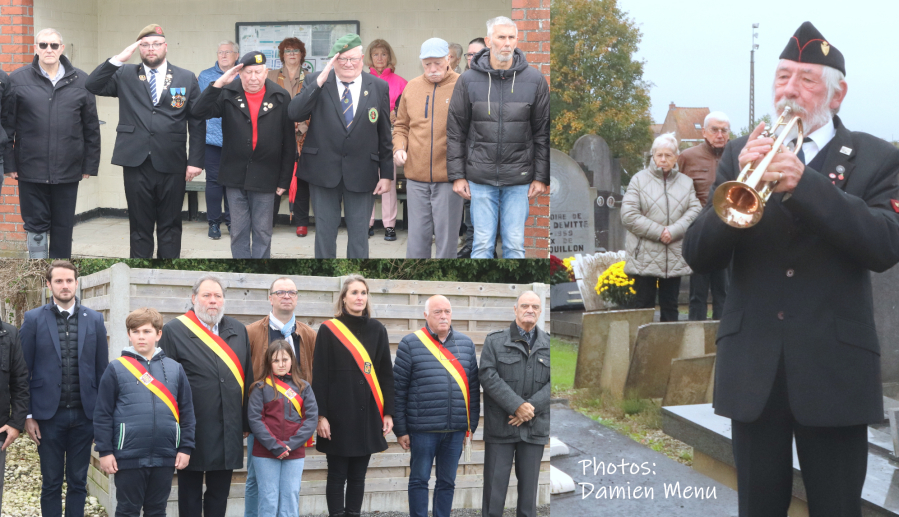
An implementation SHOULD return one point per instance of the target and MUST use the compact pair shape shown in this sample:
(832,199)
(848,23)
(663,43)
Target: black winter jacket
(498,126)
(428,398)
(54,132)
(270,165)
(14,395)
(134,424)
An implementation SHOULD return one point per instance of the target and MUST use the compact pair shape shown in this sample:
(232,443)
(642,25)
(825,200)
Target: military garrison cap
(347,42)
(150,30)
(808,46)
(253,58)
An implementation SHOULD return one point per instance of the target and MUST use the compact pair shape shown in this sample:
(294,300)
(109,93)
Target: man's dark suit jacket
(801,285)
(331,151)
(161,130)
(40,345)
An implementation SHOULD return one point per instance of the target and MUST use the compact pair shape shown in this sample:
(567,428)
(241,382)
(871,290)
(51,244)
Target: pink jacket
(397,84)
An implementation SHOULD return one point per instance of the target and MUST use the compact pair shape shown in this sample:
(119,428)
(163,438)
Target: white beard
(818,118)
(207,318)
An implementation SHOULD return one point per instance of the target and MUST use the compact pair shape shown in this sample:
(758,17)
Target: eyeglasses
(345,60)
(717,131)
(153,46)
(285,294)
(291,51)
(43,46)
(470,55)
(223,52)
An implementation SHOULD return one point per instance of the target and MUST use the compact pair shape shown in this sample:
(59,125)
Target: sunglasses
(43,46)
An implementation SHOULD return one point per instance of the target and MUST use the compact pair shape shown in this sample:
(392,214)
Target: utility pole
(755,47)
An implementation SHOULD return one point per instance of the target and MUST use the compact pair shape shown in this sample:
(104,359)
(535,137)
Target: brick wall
(16,40)
(532,18)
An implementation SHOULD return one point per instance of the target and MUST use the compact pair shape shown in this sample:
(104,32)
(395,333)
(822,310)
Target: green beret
(150,30)
(348,42)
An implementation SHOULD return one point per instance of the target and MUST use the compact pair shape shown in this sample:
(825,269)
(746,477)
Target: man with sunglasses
(55,144)
(279,324)
(348,152)
(155,100)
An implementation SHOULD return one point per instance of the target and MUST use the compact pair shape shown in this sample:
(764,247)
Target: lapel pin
(365,92)
(845,150)
(841,169)
(832,175)
(242,106)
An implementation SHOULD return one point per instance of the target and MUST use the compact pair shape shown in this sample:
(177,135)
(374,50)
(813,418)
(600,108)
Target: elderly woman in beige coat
(658,207)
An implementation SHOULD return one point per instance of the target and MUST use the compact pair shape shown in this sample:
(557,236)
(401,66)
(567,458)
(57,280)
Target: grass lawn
(639,419)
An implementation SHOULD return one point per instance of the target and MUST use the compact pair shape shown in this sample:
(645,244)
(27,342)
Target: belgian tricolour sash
(363,361)
(294,399)
(215,343)
(158,388)
(449,361)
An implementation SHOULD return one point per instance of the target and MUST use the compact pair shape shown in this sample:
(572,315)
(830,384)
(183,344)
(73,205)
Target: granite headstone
(571,213)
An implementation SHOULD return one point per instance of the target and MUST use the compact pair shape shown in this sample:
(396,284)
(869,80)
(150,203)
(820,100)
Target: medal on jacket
(168,80)
(367,368)
(373,115)
(178,99)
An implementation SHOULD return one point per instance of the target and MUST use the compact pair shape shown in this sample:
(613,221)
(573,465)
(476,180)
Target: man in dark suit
(155,98)
(797,350)
(66,352)
(348,153)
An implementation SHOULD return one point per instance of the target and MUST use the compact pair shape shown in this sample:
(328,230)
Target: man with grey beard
(215,353)
(797,350)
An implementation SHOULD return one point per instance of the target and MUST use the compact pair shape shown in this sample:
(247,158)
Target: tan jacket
(258,335)
(420,127)
(701,164)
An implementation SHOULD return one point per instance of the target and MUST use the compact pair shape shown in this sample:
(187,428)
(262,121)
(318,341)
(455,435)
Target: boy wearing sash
(144,419)
(437,404)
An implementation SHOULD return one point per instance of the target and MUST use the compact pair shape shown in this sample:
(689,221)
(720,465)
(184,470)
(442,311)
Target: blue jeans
(215,192)
(279,486)
(447,449)
(251,491)
(511,206)
(65,449)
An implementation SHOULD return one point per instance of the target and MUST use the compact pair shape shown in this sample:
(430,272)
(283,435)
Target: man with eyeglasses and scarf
(155,100)
(279,324)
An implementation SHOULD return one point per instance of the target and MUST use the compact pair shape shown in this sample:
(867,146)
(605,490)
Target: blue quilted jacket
(427,396)
(213,125)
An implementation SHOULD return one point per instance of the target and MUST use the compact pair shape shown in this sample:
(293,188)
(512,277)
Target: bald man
(437,404)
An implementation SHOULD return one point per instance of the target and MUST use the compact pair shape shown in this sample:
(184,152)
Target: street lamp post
(755,46)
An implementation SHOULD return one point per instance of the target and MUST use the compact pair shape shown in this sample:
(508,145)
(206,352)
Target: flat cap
(150,30)
(434,47)
(347,42)
(252,58)
(808,46)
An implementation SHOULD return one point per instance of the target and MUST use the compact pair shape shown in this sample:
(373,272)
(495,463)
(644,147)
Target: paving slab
(588,440)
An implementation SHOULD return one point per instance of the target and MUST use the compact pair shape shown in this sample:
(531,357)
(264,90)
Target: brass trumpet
(741,203)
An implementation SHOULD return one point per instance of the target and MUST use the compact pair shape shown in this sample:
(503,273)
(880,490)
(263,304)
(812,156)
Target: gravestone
(592,153)
(604,174)
(885,287)
(571,214)
(605,347)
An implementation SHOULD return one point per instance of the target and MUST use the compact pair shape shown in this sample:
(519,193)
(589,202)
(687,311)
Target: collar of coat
(516,336)
(63,60)
(658,173)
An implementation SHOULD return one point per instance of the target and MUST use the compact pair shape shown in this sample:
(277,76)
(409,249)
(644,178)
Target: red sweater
(254,102)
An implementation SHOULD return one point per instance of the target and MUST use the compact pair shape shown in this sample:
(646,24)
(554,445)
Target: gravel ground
(542,511)
(22,483)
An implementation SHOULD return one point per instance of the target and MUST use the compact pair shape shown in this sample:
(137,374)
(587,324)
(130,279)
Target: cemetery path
(650,485)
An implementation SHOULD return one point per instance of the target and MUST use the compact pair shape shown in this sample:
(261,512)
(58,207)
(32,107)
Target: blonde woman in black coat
(353,385)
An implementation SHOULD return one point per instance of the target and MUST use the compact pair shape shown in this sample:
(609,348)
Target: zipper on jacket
(153,436)
(432,130)
(427,98)
(667,217)
(499,136)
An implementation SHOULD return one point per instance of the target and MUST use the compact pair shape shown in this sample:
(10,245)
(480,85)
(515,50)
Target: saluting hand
(228,77)
(322,77)
(126,54)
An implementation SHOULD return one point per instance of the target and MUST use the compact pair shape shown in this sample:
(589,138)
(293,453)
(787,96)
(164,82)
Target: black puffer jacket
(498,126)
(14,395)
(54,131)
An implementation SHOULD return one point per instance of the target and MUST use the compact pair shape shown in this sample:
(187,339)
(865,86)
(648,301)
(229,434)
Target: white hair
(458,48)
(428,302)
(525,294)
(234,46)
(500,20)
(47,31)
(720,116)
(666,139)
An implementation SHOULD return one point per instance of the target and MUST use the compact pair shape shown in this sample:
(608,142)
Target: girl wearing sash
(353,384)
(283,416)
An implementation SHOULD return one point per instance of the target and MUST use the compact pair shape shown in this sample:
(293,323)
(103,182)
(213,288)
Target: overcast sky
(697,54)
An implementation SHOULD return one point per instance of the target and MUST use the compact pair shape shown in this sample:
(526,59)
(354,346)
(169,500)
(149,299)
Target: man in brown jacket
(419,143)
(279,324)
(701,164)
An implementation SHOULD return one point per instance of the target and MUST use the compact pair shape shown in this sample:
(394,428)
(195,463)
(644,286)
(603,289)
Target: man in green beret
(348,152)
(155,98)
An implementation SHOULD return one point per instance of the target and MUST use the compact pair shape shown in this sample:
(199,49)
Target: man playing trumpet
(797,350)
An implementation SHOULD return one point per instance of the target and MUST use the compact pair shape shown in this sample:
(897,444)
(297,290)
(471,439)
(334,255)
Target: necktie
(153,85)
(801,153)
(347,102)
(64,314)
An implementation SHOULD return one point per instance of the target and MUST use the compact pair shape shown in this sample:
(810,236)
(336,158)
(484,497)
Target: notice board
(317,36)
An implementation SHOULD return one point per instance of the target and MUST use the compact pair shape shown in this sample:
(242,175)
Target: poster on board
(317,36)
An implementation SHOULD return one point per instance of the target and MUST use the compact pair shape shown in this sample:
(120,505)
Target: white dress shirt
(355,90)
(821,137)
(70,310)
(160,74)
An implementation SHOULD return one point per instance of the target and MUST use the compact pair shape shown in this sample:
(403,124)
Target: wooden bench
(192,189)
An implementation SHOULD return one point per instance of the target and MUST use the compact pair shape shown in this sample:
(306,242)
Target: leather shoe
(371,231)
(389,234)
(465,252)
(302,231)
(215,233)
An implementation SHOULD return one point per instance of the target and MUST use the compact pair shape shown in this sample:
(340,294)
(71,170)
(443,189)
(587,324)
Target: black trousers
(349,471)
(699,294)
(668,290)
(154,202)
(191,499)
(498,458)
(50,208)
(833,461)
(146,488)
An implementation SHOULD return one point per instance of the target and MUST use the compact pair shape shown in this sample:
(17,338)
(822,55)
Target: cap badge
(158,29)
(825,47)
(259,58)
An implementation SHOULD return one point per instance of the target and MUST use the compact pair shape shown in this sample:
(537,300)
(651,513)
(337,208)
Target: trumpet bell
(738,204)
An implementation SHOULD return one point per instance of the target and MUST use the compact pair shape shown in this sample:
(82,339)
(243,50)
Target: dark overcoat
(219,406)
(801,285)
(342,393)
